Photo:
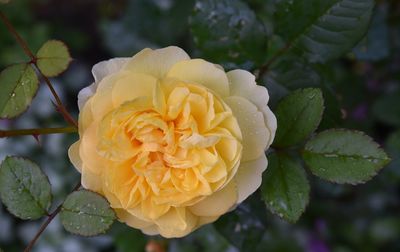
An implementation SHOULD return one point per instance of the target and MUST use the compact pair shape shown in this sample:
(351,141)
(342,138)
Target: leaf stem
(47,222)
(264,68)
(41,131)
(60,107)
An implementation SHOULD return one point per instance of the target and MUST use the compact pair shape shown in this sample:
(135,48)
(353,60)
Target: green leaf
(19,84)
(53,58)
(24,189)
(285,188)
(323,30)
(86,213)
(344,156)
(293,73)
(298,115)
(228,32)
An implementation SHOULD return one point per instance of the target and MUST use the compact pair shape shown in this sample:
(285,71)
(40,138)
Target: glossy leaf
(323,30)
(53,58)
(298,115)
(285,188)
(228,32)
(86,213)
(344,156)
(19,85)
(24,189)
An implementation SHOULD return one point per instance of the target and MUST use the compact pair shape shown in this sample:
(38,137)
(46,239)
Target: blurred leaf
(344,156)
(53,58)
(285,188)
(376,44)
(241,229)
(293,73)
(130,240)
(24,188)
(323,30)
(387,109)
(227,31)
(86,213)
(162,23)
(298,115)
(19,84)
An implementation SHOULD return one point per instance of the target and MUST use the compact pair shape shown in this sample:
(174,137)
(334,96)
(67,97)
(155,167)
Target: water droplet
(330,155)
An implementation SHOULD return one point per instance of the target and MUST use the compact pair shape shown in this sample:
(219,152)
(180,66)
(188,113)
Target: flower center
(174,148)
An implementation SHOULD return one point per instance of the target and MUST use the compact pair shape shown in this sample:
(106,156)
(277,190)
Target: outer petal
(217,203)
(249,176)
(132,86)
(177,222)
(251,122)
(201,72)
(99,71)
(243,83)
(104,68)
(73,154)
(156,62)
(91,180)
(131,220)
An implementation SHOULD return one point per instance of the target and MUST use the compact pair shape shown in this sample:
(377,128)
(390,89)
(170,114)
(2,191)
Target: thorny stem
(60,107)
(41,131)
(50,217)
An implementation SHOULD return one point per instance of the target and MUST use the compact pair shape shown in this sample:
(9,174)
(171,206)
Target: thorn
(36,136)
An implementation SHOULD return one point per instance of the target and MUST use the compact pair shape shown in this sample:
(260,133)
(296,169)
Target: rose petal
(107,67)
(248,177)
(99,71)
(133,86)
(156,62)
(73,154)
(131,220)
(201,72)
(217,203)
(177,222)
(251,122)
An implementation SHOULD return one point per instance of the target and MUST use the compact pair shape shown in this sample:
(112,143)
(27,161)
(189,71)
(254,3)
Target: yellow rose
(172,142)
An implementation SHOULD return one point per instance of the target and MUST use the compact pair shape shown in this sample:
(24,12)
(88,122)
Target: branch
(60,107)
(265,68)
(42,131)
(47,222)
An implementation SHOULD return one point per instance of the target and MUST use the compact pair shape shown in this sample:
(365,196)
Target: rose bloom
(172,142)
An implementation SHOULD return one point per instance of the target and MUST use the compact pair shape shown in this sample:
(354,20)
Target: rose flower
(171,142)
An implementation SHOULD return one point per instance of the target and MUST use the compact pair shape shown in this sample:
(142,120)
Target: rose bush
(172,142)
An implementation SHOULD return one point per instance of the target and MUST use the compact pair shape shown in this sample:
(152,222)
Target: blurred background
(362,91)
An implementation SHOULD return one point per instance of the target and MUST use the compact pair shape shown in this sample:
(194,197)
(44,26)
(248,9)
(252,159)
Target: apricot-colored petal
(177,222)
(217,203)
(132,86)
(131,220)
(248,177)
(107,67)
(73,154)
(90,180)
(251,122)
(201,72)
(156,62)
